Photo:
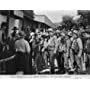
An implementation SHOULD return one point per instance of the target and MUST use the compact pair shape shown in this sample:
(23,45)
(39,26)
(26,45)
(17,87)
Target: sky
(56,15)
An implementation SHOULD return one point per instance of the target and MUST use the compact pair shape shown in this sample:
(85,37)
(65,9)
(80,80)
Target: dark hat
(4,24)
(70,33)
(15,28)
(21,34)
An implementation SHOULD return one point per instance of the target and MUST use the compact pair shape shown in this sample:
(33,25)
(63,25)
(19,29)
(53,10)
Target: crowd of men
(60,51)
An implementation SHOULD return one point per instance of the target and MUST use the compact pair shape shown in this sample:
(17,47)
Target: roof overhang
(44,19)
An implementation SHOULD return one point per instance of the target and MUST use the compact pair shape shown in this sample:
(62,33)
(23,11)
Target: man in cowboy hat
(22,53)
(68,56)
(51,45)
(3,32)
(14,32)
(3,37)
(77,47)
(60,51)
(69,51)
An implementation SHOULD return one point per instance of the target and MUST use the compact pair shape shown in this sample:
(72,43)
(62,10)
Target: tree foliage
(85,16)
(67,21)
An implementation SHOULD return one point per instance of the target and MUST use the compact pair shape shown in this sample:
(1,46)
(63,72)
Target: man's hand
(43,50)
(79,56)
(54,52)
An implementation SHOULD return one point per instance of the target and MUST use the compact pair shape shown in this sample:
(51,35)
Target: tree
(67,21)
(85,17)
(67,18)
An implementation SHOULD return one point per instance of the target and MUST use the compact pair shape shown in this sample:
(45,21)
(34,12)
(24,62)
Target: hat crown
(21,34)
(50,29)
(32,33)
(75,31)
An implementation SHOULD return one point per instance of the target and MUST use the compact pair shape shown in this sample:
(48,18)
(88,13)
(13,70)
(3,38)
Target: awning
(4,12)
(28,14)
(44,19)
(18,13)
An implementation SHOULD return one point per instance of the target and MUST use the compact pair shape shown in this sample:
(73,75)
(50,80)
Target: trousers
(51,60)
(60,61)
(22,62)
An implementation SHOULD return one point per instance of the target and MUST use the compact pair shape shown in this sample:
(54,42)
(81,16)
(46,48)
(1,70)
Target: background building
(25,18)
(16,18)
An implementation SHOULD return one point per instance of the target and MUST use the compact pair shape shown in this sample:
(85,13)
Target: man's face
(58,35)
(74,36)
(74,27)
(4,27)
(87,27)
(51,33)
(81,28)
(67,37)
(33,36)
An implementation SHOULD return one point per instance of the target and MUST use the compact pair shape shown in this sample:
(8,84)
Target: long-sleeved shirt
(22,45)
(79,41)
(80,45)
(1,33)
(52,43)
(68,45)
(61,47)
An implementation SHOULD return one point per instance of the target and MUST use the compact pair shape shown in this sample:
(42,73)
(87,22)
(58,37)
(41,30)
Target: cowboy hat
(21,34)
(50,30)
(15,28)
(75,32)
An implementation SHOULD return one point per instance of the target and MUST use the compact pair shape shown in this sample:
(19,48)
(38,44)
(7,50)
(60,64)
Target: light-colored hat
(50,30)
(58,31)
(21,34)
(32,33)
(69,33)
(76,32)
(63,34)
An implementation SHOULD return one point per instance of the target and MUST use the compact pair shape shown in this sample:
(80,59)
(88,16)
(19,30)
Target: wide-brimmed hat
(4,24)
(69,34)
(62,34)
(21,34)
(75,32)
(32,33)
(15,28)
(57,31)
(50,30)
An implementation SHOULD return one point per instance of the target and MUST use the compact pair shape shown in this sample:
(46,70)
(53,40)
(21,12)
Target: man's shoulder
(79,39)
(58,39)
(55,36)
(68,40)
(1,32)
(25,41)
(19,40)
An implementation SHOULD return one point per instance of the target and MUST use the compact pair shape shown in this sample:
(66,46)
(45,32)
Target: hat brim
(15,28)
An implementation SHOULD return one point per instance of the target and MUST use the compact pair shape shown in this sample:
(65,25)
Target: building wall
(14,22)
(3,19)
(28,22)
(11,24)
(39,18)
